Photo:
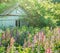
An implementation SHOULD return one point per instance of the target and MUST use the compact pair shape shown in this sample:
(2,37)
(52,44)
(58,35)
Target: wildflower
(0,43)
(12,40)
(35,39)
(29,44)
(58,31)
(25,43)
(48,50)
(3,35)
(41,36)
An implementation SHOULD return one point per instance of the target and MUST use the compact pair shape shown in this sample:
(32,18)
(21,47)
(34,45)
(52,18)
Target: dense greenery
(42,13)
(6,4)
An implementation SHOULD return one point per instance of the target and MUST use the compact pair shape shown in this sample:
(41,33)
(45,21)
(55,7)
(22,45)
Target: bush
(2,49)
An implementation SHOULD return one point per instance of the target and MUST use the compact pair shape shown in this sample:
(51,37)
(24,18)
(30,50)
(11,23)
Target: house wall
(8,21)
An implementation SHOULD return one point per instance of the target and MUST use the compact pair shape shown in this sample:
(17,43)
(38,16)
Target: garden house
(12,17)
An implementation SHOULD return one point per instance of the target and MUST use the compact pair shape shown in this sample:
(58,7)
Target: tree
(41,13)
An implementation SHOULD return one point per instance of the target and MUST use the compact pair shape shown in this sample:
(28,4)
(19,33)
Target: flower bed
(30,40)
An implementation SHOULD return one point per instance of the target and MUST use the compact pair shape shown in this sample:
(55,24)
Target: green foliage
(6,5)
(57,13)
(27,50)
(2,49)
(56,1)
(41,13)
(23,33)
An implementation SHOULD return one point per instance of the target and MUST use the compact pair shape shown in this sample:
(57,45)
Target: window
(18,23)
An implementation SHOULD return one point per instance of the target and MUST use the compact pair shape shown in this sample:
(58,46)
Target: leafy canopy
(43,13)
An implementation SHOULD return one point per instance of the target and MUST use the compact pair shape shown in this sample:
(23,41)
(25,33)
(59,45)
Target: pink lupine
(35,39)
(58,30)
(41,36)
(0,43)
(25,43)
(3,35)
(48,50)
(12,40)
(29,44)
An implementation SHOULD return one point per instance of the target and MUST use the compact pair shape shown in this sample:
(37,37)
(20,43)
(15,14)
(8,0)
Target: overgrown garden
(42,35)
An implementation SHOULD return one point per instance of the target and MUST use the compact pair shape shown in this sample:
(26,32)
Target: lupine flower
(3,35)
(41,36)
(12,40)
(48,50)
(35,39)
(29,44)
(25,43)
(59,30)
(0,43)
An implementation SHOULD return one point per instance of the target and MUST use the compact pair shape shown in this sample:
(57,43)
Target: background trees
(5,4)
(42,13)
(1,1)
